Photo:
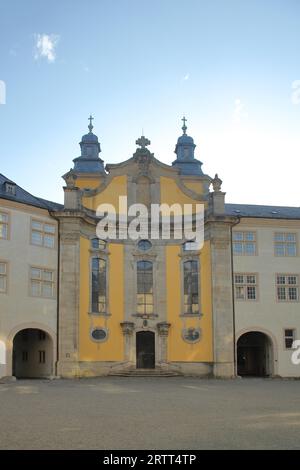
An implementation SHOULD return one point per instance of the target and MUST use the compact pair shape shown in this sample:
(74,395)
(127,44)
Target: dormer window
(10,188)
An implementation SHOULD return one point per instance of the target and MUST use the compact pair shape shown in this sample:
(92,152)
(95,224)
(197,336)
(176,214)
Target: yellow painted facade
(170,193)
(178,349)
(112,349)
(109,195)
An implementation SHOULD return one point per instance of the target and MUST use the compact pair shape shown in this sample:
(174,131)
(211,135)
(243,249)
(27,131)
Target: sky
(232,67)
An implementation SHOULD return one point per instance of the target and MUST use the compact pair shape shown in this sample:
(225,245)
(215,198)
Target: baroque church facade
(136,306)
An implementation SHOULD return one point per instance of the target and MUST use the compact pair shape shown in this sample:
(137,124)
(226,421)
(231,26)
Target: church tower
(184,150)
(89,161)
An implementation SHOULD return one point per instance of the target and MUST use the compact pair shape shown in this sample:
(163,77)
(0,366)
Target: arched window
(98,244)
(144,287)
(191,287)
(98,285)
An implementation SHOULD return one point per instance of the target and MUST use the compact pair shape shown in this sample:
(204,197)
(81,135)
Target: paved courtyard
(150,413)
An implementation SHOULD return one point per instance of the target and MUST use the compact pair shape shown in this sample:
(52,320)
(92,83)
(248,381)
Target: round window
(99,334)
(144,245)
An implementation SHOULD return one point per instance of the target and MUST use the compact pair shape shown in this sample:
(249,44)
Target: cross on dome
(143,142)
(184,128)
(90,124)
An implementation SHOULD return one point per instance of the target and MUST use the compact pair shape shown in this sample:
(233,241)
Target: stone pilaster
(218,202)
(163,332)
(72,200)
(128,329)
(222,301)
(69,297)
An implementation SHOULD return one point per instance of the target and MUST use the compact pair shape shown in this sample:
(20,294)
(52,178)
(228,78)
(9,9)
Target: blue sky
(229,65)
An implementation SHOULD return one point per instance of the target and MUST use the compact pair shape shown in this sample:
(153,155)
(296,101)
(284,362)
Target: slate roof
(24,197)
(267,212)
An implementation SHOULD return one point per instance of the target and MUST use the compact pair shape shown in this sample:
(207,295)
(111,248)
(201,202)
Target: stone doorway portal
(145,350)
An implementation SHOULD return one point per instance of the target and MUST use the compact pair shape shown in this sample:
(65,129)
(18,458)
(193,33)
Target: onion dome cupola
(89,161)
(185,148)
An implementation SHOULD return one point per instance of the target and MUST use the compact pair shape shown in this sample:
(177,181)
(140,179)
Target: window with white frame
(3,276)
(289,337)
(10,188)
(41,282)
(3,225)
(287,287)
(244,243)
(42,234)
(285,244)
(245,286)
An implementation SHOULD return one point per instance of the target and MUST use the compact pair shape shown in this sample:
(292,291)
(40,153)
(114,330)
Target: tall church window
(98,285)
(191,286)
(144,287)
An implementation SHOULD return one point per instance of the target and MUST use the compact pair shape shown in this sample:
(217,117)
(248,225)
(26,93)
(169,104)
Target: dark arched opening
(32,354)
(254,355)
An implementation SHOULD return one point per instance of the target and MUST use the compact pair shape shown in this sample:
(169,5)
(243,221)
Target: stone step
(144,373)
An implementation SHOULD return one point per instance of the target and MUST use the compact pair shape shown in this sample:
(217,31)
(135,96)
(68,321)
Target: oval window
(99,334)
(144,245)
(191,335)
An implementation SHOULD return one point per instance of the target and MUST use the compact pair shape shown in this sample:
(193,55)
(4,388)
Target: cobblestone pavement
(150,413)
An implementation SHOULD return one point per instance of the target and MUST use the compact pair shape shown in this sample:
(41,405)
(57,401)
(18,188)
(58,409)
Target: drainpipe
(57,301)
(233,300)
(57,291)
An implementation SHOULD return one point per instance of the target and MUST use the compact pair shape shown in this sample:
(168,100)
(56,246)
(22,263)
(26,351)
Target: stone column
(163,332)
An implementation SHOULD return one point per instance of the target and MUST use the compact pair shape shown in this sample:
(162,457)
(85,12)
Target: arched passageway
(32,354)
(254,355)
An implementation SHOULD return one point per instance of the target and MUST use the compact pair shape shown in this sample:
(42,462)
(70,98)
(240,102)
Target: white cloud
(186,77)
(295,96)
(239,112)
(45,45)
(2,92)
